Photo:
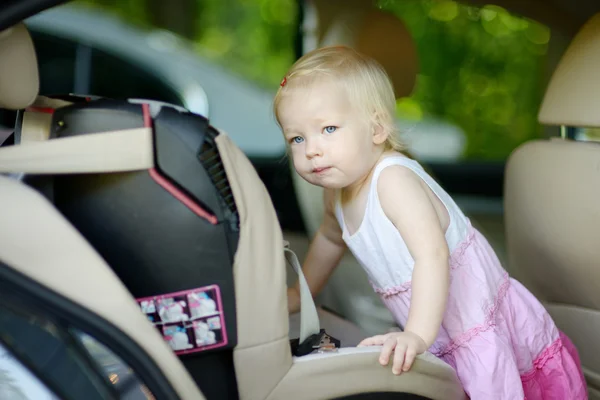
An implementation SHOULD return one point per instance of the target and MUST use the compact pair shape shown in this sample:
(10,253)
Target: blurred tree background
(481,68)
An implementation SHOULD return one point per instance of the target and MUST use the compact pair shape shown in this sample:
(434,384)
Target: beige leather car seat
(265,368)
(552,205)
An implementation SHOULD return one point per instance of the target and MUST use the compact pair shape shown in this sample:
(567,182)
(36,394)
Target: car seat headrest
(19,80)
(572,95)
(375,33)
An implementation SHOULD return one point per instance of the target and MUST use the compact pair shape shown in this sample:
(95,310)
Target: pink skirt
(496,334)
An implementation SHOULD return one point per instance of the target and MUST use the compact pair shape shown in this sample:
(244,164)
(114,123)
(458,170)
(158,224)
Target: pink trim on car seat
(182,197)
(45,110)
(147,116)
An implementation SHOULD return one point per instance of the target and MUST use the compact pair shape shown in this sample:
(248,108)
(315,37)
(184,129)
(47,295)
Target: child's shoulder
(399,180)
(397,168)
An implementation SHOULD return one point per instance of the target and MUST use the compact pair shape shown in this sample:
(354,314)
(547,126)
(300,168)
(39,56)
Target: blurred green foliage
(253,38)
(480,68)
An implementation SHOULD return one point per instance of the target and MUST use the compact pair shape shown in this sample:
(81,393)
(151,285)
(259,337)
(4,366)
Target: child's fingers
(373,341)
(399,354)
(409,358)
(386,351)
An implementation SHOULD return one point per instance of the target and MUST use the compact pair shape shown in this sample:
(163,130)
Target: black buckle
(322,342)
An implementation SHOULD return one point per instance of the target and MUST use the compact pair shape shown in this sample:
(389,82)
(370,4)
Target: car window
(17,382)
(115,77)
(66,359)
(480,83)
(120,375)
(587,134)
(70,66)
(254,39)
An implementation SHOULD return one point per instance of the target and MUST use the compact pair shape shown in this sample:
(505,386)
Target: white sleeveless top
(377,244)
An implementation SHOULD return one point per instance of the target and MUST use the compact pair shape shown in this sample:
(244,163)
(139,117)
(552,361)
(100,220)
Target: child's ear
(380,134)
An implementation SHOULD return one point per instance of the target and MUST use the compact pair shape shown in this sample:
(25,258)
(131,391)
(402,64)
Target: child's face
(330,141)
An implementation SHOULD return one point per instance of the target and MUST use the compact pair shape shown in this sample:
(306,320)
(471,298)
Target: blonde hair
(365,80)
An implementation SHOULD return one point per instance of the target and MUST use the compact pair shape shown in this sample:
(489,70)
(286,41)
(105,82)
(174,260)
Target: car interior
(117,144)
(113,208)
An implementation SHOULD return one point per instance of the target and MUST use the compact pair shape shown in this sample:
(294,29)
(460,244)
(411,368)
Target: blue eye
(330,129)
(297,139)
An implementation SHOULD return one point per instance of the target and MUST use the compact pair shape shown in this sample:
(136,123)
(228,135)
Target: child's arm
(406,203)
(324,254)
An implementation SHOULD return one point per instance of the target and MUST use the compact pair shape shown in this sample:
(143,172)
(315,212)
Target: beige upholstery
(552,204)
(553,220)
(125,150)
(573,95)
(356,370)
(263,362)
(552,216)
(19,81)
(38,242)
(262,356)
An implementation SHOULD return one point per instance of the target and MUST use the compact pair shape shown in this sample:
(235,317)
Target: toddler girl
(437,274)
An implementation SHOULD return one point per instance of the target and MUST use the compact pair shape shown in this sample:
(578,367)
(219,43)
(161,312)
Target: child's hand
(405,345)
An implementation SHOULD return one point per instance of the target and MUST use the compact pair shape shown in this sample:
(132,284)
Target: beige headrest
(373,32)
(19,80)
(573,95)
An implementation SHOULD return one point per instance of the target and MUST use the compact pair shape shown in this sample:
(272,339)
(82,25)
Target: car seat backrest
(553,220)
(39,243)
(19,81)
(552,207)
(552,217)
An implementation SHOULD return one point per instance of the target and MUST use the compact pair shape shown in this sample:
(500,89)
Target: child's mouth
(320,170)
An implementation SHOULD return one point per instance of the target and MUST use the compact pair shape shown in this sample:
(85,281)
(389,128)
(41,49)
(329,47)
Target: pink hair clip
(283,82)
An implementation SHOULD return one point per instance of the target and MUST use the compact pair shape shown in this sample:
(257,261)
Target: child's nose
(313,149)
